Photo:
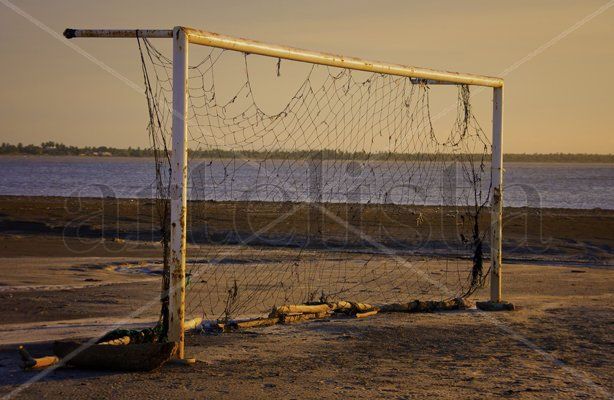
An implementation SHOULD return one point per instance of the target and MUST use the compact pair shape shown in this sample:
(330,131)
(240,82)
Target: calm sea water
(583,186)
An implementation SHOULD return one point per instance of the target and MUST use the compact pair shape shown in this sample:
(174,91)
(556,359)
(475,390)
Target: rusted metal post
(497,196)
(179,177)
(70,33)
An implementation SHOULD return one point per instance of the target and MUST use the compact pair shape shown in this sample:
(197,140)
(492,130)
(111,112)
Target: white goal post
(183,36)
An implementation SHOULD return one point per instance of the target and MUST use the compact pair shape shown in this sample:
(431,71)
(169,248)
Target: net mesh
(319,184)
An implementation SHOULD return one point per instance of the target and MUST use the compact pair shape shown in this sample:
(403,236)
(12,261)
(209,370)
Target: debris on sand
(28,362)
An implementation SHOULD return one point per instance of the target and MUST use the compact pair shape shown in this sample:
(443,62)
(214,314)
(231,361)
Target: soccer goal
(295,178)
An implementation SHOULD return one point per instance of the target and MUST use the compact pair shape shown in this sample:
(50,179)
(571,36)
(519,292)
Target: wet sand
(56,227)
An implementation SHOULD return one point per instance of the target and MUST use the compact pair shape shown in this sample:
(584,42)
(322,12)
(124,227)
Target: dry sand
(557,345)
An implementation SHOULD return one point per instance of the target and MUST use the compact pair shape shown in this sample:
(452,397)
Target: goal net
(309,183)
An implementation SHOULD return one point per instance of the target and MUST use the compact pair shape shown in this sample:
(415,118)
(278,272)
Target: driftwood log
(29,362)
(366,314)
(254,323)
(293,313)
(352,308)
(300,309)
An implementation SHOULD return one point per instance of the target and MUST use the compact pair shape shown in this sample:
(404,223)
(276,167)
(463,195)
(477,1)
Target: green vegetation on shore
(59,149)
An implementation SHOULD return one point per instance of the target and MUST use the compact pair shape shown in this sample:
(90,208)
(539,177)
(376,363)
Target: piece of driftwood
(352,308)
(495,306)
(340,305)
(362,307)
(366,314)
(134,357)
(303,312)
(29,362)
(300,309)
(254,323)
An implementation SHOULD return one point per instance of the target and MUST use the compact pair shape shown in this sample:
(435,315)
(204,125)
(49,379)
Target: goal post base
(186,362)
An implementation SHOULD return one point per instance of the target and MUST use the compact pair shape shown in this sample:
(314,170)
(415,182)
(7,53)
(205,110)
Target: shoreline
(528,160)
(436,206)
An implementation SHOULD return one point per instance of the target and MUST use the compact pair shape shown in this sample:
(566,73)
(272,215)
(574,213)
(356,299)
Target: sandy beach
(58,282)
(307,200)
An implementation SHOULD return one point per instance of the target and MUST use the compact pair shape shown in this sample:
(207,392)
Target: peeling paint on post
(497,196)
(178,191)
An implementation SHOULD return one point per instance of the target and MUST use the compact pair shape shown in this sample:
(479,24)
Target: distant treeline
(59,149)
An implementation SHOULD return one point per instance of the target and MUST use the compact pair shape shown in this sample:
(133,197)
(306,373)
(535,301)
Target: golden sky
(557,58)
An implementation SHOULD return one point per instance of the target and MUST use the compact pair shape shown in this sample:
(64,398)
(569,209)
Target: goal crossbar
(212,39)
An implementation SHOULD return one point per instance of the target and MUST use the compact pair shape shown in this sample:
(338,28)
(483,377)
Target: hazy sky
(560,99)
